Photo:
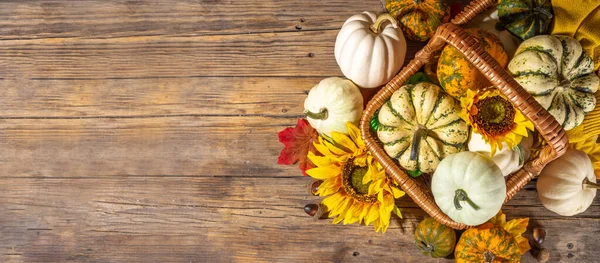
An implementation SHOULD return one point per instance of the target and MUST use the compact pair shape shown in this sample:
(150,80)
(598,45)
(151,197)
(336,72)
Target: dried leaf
(298,141)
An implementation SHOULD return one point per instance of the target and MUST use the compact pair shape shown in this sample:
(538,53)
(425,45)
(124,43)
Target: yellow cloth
(580,19)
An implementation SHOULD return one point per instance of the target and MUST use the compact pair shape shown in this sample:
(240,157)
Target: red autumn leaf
(298,141)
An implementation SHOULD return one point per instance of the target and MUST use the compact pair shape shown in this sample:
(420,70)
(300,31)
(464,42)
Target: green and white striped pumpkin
(525,18)
(420,125)
(559,75)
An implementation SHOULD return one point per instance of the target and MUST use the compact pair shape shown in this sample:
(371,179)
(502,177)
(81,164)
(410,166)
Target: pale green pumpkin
(420,125)
(557,72)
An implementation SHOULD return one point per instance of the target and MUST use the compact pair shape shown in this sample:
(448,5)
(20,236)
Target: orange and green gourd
(434,239)
(487,243)
(525,18)
(419,19)
(456,74)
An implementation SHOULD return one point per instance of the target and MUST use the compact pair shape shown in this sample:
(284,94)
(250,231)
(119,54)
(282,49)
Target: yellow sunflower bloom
(355,186)
(495,118)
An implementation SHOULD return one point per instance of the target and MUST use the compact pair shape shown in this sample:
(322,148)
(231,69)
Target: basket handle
(472,10)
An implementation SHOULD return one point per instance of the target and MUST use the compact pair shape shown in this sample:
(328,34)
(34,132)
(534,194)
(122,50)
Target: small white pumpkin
(487,21)
(508,160)
(558,73)
(368,52)
(332,103)
(567,186)
(468,187)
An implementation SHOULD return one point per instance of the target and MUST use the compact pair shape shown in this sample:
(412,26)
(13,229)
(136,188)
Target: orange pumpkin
(419,18)
(456,74)
(487,243)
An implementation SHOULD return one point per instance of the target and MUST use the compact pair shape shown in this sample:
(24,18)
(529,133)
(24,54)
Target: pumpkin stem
(376,26)
(418,2)
(587,184)
(461,195)
(426,247)
(488,257)
(321,115)
(414,150)
(544,12)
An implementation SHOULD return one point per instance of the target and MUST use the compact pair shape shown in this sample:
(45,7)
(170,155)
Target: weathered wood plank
(109,19)
(232,96)
(152,146)
(220,220)
(295,54)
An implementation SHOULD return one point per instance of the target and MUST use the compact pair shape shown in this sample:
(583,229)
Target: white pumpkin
(468,187)
(567,186)
(487,21)
(369,52)
(508,160)
(332,103)
(557,72)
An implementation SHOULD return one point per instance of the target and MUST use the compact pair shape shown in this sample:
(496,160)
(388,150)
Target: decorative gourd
(468,187)
(487,21)
(420,125)
(525,18)
(419,18)
(456,74)
(567,186)
(368,52)
(487,243)
(434,239)
(559,75)
(508,160)
(332,103)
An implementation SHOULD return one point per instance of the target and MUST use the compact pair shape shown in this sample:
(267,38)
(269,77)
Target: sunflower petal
(397,192)
(325,172)
(342,140)
(329,187)
(354,134)
(320,160)
(372,215)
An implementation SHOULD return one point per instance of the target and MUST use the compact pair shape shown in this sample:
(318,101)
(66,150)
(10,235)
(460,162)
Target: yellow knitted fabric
(580,19)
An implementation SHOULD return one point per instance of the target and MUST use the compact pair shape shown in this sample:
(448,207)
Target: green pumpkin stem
(376,26)
(544,12)
(587,184)
(418,2)
(461,196)
(425,247)
(321,115)
(414,150)
(488,257)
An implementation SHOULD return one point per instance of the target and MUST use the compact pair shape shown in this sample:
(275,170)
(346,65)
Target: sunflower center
(356,180)
(352,179)
(495,115)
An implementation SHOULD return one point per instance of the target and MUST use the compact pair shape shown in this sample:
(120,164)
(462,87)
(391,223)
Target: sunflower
(356,187)
(495,118)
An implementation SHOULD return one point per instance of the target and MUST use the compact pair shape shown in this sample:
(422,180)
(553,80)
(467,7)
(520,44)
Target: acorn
(313,186)
(539,234)
(543,255)
(315,210)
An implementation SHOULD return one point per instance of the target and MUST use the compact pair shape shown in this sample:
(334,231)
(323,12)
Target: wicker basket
(551,131)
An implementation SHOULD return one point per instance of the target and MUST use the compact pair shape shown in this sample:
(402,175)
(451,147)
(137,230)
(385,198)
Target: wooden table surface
(146,131)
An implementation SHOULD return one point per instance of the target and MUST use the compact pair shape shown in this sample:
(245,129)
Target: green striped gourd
(420,125)
(559,75)
(434,239)
(525,18)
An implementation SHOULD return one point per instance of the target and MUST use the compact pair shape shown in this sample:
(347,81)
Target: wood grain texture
(222,219)
(146,131)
